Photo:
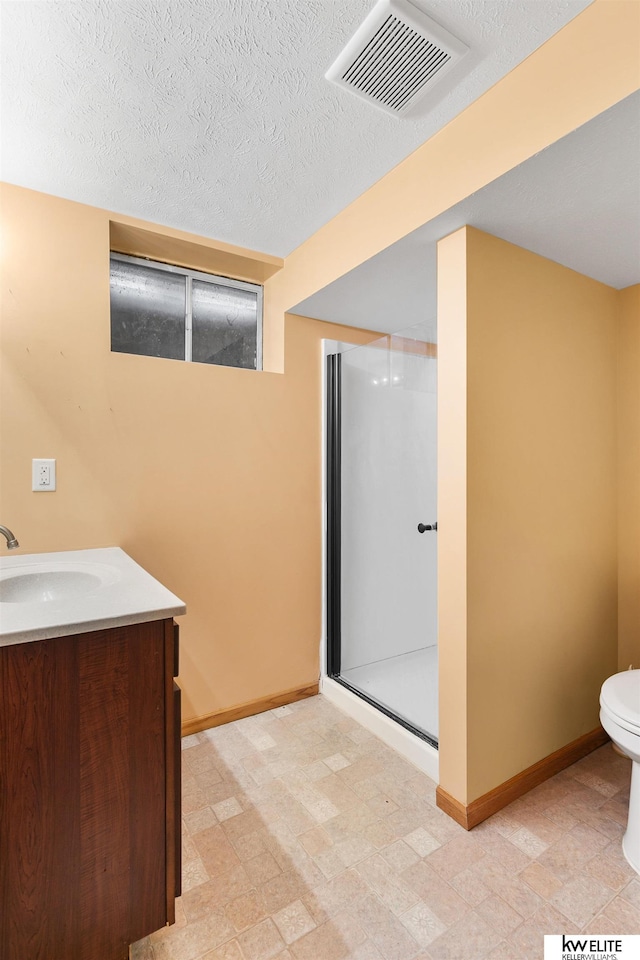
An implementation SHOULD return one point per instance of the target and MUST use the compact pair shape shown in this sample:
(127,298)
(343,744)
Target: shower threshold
(398,718)
(409,743)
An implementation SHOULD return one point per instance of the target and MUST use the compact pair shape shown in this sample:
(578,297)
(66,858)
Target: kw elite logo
(580,947)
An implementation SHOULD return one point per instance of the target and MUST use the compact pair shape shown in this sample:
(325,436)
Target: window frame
(190,274)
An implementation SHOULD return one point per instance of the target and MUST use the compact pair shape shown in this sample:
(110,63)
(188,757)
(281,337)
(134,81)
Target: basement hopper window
(159,310)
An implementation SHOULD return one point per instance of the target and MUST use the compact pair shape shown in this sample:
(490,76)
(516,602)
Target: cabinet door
(177,723)
(39,800)
(83,819)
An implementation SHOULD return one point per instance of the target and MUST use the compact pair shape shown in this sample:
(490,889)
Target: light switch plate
(43,476)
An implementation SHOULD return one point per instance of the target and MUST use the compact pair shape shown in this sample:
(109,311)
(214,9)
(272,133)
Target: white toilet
(620,717)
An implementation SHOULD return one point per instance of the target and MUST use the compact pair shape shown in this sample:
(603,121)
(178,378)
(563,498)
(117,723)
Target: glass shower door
(384,639)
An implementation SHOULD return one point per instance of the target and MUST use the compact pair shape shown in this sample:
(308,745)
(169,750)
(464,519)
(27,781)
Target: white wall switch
(43,475)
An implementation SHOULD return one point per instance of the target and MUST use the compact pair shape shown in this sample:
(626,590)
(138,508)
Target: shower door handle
(423,527)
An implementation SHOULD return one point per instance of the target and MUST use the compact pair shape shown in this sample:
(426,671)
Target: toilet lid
(620,695)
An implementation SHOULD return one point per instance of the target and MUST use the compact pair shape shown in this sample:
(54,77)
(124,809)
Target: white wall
(388,486)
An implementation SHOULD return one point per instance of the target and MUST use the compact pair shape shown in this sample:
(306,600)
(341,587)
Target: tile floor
(306,838)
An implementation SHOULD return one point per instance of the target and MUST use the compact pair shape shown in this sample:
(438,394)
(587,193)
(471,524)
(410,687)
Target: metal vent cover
(396,55)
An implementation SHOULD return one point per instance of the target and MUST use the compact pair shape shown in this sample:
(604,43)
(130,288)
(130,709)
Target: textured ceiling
(577,202)
(214,116)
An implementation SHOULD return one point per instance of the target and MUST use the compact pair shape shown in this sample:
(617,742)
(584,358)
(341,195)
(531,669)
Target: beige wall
(541,543)
(208,476)
(629,478)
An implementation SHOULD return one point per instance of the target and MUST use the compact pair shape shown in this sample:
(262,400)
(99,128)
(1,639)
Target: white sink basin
(49,595)
(42,582)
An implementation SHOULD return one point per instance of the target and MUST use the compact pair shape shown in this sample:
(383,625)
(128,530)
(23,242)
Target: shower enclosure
(382,526)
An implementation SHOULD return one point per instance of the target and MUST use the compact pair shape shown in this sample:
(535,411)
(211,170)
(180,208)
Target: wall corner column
(452,512)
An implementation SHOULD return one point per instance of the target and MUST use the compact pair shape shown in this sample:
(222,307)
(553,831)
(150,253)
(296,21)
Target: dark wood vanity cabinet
(89,792)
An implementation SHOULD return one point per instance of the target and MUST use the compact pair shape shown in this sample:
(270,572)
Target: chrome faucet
(12,543)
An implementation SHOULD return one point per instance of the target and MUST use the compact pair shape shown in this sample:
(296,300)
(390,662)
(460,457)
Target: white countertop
(123,594)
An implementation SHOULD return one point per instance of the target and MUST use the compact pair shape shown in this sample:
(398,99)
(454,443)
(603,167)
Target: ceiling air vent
(396,56)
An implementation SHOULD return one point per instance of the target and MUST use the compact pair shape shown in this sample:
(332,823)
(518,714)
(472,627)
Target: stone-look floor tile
(315,841)
(317,770)
(615,875)
(251,845)
(329,863)
(366,789)
(282,890)
(407,819)
(246,911)
(580,899)
(349,929)
(142,950)
(499,915)
(510,857)
(617,917)
(399,855)
(340,795)
(302,782)
(504,951)
(470,887)
(367,951)
(504,823)
(193,874)
(439,896)
(219,792)
(262,942)
(528,842)
(190,942)
(244,823)
(193,799)
(631,893)
(262,868)
(455,856)
(541,880)
(385,929)
(324,941)
(422,924)
(511,889)
(442,827)
(293,921)
(215,893)
(355,820)
(528,938)
(537,823)
(216,852)
(346,888)
(228,951)
(191,741)
(470,937)
(353,850)
(391,890)
(336,762)
(189,851)
(617,809)
(422,842)
(227,809)
(200,820)
(361,768)
(382,805)
(379,833)
(568,855)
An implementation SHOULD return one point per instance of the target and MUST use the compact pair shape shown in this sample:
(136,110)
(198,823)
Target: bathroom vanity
(89,756)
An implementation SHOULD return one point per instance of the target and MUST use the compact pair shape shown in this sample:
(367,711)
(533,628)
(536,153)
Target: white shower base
(407,685)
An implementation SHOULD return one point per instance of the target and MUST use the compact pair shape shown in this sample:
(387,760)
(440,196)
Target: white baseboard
(412,748)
